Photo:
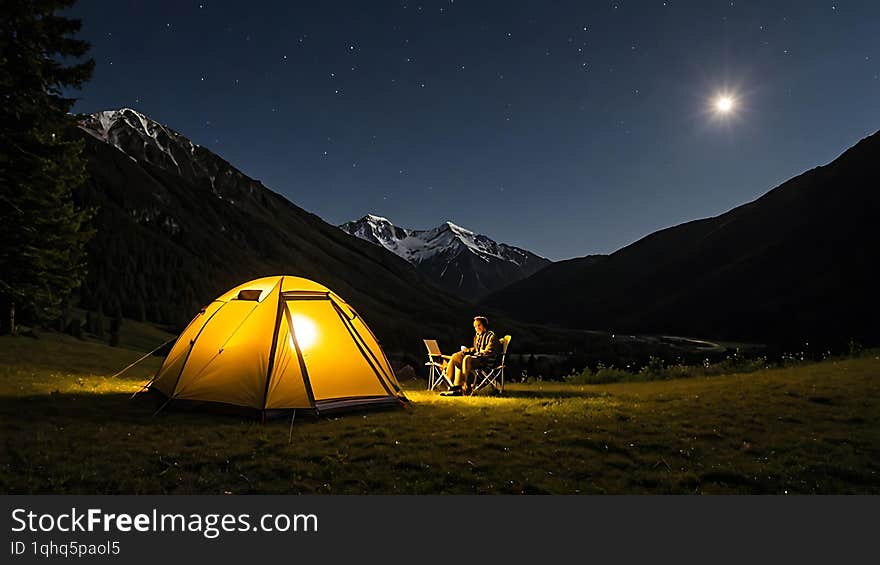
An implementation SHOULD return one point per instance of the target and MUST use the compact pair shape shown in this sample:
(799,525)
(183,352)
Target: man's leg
(468,364)
(455,361)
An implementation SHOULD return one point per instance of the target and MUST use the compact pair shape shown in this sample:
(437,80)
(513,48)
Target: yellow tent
(279,343)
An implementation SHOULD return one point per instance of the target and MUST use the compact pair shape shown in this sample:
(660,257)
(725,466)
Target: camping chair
(493,377)
(436,372)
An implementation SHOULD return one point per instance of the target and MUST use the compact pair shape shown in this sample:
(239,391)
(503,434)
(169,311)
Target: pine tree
(140,311)
(42,233)
(115,325)
(99,323)
(74,328)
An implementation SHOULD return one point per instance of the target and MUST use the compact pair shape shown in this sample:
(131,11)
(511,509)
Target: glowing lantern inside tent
(305,330)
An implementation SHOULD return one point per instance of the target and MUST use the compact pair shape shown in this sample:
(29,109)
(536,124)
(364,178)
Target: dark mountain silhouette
(797,264)
(462,262)
(177,225)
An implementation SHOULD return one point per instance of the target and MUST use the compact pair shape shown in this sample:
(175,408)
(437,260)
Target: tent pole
(352,332)
(302,363)
(192,342)
(290,433)
(273,348)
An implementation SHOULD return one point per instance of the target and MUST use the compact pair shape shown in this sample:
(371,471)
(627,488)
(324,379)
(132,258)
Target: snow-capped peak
(374,218)
(105,120)
(460,260)
(139,137)
(458,229)
(417,246)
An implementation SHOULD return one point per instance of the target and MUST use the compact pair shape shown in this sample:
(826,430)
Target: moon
(724,104)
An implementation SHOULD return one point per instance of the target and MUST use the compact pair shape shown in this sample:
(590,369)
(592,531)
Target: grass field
(68,428)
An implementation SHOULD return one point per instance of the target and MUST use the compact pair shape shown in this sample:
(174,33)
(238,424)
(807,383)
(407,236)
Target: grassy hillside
(815,428)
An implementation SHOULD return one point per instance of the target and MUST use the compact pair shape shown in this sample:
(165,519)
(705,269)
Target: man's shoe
(454,391)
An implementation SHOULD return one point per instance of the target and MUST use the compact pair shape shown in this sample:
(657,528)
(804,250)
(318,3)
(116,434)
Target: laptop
(433,348)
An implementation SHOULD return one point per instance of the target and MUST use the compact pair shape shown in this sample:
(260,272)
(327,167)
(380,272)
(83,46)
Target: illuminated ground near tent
(67,428)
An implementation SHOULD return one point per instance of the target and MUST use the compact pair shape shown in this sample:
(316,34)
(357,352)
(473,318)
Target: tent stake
(290,433)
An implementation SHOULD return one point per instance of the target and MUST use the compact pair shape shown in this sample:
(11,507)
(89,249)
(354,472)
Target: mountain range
(798,264)
(462,262)
(177,225)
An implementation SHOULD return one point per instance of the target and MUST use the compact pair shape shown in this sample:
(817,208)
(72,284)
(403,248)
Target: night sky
(565,128)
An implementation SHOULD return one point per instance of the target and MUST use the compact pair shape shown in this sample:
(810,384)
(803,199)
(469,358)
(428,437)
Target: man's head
(481,324)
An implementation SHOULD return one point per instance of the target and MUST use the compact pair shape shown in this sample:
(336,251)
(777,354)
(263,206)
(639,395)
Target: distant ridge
(795,265)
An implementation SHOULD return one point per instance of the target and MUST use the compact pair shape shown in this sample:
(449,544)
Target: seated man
(484,354)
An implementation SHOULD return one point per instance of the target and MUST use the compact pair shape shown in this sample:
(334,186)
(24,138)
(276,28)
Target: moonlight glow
(724,104)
